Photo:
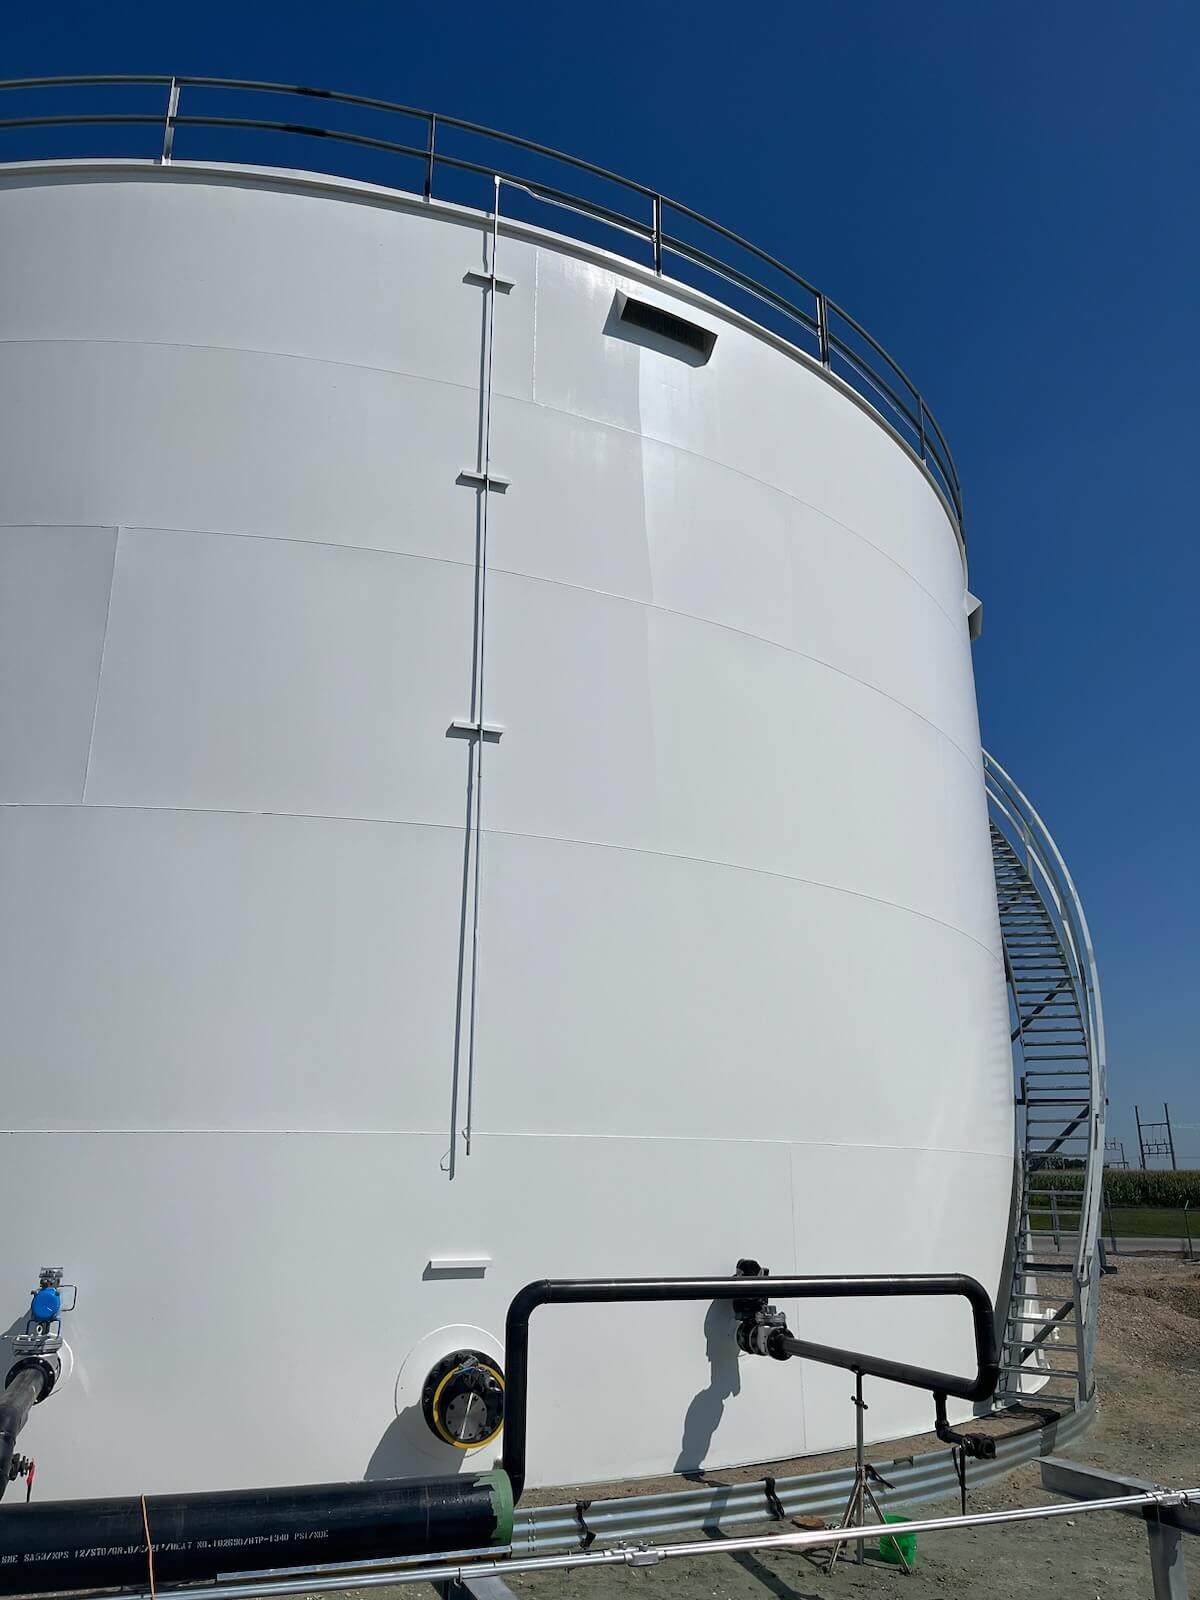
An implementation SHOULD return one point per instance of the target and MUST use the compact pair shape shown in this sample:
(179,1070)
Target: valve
(43,1335)
(758,1322)
(43,1331)
(23,1467)
(977,1446)
(47,1303)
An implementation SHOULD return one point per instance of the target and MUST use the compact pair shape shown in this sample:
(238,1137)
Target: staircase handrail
(1043,854)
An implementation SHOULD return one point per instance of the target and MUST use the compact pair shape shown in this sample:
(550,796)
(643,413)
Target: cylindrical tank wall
(737,988)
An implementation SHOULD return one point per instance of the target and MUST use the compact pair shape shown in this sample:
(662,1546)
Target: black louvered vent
(653,319)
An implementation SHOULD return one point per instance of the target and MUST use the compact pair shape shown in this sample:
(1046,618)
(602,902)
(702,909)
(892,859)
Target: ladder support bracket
(464,728)
(471,479)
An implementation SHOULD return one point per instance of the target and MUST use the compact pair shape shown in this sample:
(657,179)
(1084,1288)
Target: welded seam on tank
(512,833)
(326,1132)
(973,761)
(749,477)
(112,583)
(465,388)
(537,238)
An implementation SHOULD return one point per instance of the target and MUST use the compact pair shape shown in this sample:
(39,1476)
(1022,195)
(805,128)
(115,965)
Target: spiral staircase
(1049,1327)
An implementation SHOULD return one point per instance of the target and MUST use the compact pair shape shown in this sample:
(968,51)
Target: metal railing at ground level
(1168,1513)
(435,153)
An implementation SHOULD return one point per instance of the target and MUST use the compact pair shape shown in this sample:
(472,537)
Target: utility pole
(1155,1139)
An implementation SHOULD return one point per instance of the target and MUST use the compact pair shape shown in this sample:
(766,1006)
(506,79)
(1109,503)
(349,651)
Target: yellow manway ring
(435,1411)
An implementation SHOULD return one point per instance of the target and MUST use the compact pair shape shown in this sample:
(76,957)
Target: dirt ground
(1148,1376)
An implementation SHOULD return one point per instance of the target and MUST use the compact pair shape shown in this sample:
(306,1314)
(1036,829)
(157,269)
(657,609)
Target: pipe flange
(48,1365)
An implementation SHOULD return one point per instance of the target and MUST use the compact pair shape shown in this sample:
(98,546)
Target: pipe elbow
(538,1293)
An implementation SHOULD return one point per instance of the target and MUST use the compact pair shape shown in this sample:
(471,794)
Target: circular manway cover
(463,1399)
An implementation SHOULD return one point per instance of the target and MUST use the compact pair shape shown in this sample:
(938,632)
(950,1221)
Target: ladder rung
(1024,1319)
(1040,1372)
(1044,1344)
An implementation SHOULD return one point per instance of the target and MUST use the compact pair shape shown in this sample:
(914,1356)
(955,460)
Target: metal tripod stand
(855,1514)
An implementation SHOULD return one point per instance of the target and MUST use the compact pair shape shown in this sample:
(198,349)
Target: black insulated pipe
(102,1544)
(980,1446)
(29,1381)
(620,1291)
(980,1387)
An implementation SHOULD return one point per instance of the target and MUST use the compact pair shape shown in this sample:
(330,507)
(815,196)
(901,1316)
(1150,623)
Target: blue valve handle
(47,1303)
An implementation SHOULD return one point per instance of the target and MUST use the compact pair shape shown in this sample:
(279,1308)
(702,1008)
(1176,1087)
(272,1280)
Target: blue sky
(1005,194)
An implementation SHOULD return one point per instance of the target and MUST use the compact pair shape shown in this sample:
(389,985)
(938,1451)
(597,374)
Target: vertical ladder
(1049,1328)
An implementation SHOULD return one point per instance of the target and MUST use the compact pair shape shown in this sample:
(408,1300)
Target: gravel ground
(1148,1375)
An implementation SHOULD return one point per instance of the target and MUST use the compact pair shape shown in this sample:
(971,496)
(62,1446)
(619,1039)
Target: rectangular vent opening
(666,325)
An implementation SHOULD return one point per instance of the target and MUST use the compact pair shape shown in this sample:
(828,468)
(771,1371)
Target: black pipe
(979,1445)
(29,1381)
(606,1291)
(978,1388)
(94,1544)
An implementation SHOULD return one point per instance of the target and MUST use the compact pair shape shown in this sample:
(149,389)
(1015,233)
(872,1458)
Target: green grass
(1129,1222)
(1150,1222)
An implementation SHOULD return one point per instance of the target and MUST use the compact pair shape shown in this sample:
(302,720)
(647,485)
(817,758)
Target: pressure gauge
(463,1399)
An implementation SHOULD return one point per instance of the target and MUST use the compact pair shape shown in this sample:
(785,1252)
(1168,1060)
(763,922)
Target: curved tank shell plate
(737,984)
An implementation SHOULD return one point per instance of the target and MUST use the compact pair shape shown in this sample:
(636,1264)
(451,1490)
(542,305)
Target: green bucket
(892,1547)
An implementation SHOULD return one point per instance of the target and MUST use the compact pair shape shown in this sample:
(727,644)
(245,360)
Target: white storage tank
(490,791)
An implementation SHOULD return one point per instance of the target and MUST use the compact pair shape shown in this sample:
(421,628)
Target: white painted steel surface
(739,985)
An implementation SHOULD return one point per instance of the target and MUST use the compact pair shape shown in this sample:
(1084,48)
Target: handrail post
(658,245)
(430,156)
(169,124)
(823,329)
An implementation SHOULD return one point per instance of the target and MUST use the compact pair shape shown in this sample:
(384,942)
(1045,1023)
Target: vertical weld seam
(112,582)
